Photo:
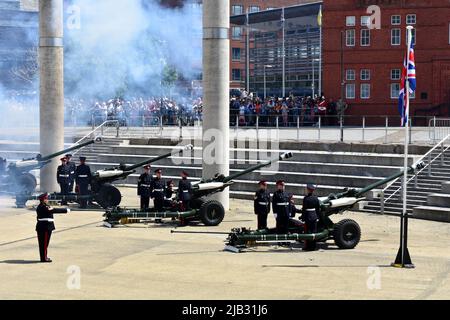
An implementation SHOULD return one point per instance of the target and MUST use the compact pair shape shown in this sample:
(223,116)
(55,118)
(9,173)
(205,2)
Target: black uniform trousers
(262,221)
(311,227)
(145,202)
(44,240)
(159,204)
(84,191)
(282,224)
(64,191)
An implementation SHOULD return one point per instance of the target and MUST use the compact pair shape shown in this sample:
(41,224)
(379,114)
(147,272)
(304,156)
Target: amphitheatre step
(438,200)
(432,213)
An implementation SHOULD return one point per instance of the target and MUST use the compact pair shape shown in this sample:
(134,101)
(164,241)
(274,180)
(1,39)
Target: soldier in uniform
(45,225)
(144,187)
(280,207)
(310,214)
(184,192)
(262,204)
(168,194)
(72,168)
(63,178)
(157,189)
(83,178)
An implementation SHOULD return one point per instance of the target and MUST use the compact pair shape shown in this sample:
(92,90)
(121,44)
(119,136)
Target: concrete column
(51,87)
(216,87)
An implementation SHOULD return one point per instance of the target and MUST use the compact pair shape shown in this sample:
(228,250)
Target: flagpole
(320,53)
(403,259)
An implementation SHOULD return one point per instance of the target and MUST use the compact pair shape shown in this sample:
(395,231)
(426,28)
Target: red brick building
(237,36)
(373,58)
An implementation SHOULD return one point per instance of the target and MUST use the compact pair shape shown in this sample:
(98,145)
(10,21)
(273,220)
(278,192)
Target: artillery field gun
(209,212)
(16,177)
(102,191)
(345,233)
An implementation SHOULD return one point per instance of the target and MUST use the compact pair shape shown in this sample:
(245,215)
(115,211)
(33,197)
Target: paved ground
(148,262)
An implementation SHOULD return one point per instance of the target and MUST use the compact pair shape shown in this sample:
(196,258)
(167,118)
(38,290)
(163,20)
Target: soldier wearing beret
(184,192)
(72,170)
(262,204)
(83,178)
(310,214)
(144,187)
(45,225)
(157,191)
(63,178)
(280,207)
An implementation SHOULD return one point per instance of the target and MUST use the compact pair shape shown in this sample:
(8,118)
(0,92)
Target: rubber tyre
(26,183)
(346,234)
(197,203)
(211,213)
(108,196)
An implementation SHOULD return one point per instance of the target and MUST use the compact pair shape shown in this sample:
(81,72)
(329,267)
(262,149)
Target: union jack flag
(408,74)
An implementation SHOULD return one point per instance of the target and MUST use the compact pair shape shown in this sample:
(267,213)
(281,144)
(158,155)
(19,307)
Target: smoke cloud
(122,47)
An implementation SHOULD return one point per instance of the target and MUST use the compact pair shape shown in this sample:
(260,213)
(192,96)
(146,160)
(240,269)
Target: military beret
(280,182)
(158,171)
(43,196)
(311,186)
(263,182)
(82,158)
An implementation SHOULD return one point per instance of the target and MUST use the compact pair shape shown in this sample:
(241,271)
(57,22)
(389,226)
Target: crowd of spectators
(244,110)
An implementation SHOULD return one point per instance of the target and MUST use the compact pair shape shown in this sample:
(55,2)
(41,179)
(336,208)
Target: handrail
(428,165)
(100,127)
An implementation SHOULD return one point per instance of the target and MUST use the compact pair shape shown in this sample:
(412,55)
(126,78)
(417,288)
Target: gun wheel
(108,196)
(347,234)
(212,213)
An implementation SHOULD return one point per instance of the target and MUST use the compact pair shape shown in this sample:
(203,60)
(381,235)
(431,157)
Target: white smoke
(114,46)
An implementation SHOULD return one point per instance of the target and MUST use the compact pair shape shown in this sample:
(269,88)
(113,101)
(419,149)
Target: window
(365,21)
(350,75)
(236,33)
(396,37)
(236,54)
(395,90)
(350,21)
(365,74)
(396,74)
(365,37)
(350,38)
(350,91)
(253,9)
(413,32)
(236,74)
(396,20)
(237,9)
(365,91)
(411,19)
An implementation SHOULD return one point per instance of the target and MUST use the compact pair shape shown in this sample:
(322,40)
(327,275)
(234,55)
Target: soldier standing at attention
(83,178)
(168,194)
(63,178)
(144,187)
(45,225)
(262,204)
(280,207)
(157,189)
(72,168)
(310,214)
(184,192)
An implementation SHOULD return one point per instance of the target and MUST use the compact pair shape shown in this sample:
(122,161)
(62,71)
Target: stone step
(438,200)
(432,213)
(10,5)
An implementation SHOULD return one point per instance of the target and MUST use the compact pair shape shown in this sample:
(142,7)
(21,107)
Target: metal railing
(101,128)
(439,128)
(428,160)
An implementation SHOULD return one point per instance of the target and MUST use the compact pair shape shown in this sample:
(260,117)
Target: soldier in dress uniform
(168,194)
(63,178)
(2,165)
(45,225)
(144,187)
(83,178)
(310,214)
(262,204)
(184,192)
(72,168)
(157,189)
(280,207)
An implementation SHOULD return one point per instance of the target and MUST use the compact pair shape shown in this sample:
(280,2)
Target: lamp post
(265,83)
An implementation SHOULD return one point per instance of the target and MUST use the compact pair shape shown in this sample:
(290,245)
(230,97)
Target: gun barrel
(75,147)
(199,232)
(152,160)
(284,156)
